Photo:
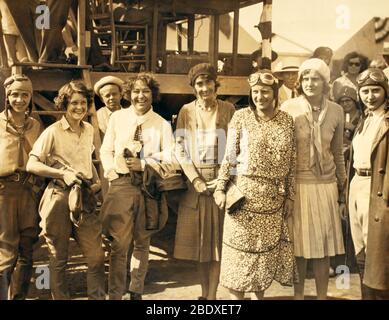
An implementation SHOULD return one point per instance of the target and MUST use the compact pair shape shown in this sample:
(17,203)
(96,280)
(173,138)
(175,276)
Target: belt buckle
(17,177)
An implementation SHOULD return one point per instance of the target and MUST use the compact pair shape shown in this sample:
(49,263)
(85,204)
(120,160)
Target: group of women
(288,164)
(265,184)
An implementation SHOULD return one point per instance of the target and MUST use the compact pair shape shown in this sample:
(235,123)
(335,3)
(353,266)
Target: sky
(313,23)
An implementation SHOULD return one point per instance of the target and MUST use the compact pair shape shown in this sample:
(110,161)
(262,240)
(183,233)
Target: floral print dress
(260,160)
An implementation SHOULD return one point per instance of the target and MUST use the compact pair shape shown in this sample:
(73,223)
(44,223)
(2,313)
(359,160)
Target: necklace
(18,126)
(207,108)
(316,109)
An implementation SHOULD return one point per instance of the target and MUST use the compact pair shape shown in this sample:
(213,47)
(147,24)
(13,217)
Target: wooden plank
(162,39)
(208,7)
(81,32)
(179,37)
(96,132)
(214,40)
(3,52)
(178,83)
(38,66)
(235,37)
(57,113)
(49,80)
(44,103)
(191,29)
(113,35)
(155,38)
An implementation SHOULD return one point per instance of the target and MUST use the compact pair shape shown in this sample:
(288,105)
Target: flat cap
(107,80)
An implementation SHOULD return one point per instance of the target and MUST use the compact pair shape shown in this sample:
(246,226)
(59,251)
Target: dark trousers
(57,229)
(52,41)
(23,13)
(19,230)
(50,49)
(123,216)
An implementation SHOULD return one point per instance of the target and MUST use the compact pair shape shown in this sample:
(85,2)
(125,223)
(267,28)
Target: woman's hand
(288,208)
(211,185)
(220,198)
(71,177)
(134,164)
(95,187)
(343,213)
(199,185)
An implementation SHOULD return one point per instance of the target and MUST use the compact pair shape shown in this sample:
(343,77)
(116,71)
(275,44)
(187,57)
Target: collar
(380,111)
(65,124)
(287,90)
(3,116)
(143,118)
(28,120)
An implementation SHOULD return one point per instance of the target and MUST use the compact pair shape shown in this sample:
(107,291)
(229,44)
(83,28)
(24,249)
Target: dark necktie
(138,133)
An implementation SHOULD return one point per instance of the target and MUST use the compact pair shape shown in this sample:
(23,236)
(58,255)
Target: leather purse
(234,198)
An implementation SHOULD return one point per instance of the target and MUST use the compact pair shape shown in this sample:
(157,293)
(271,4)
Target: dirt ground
(171,279)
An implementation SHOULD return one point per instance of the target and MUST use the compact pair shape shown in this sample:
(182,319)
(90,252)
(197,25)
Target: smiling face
(312,84)
(204,88)
(111,96)
(372,96)
(77,107)
(263,97)
(19,100)
(141,97)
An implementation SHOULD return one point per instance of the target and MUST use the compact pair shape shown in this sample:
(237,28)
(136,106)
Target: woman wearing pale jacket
(320,175)
(200,142)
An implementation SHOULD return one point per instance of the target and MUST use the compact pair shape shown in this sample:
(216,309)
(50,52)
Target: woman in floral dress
(260,160)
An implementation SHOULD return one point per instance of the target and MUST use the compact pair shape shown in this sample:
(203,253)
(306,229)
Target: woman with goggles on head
(320,175)
(19,219)
(368,193)
(260,160)
(353,64)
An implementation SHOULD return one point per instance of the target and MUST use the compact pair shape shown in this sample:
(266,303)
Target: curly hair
(148,79)
(363,59)
(299,88)
(65,93)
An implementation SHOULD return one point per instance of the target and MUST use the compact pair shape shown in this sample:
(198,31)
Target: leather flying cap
(373,77)
(17,82)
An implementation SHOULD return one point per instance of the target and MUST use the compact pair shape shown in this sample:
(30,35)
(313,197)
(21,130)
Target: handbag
(234,198)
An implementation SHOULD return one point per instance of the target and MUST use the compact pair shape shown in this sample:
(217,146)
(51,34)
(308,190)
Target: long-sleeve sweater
(331,139)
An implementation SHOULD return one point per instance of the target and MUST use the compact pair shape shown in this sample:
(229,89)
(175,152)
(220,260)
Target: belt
(363,172)
(124,175)
(16,177)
